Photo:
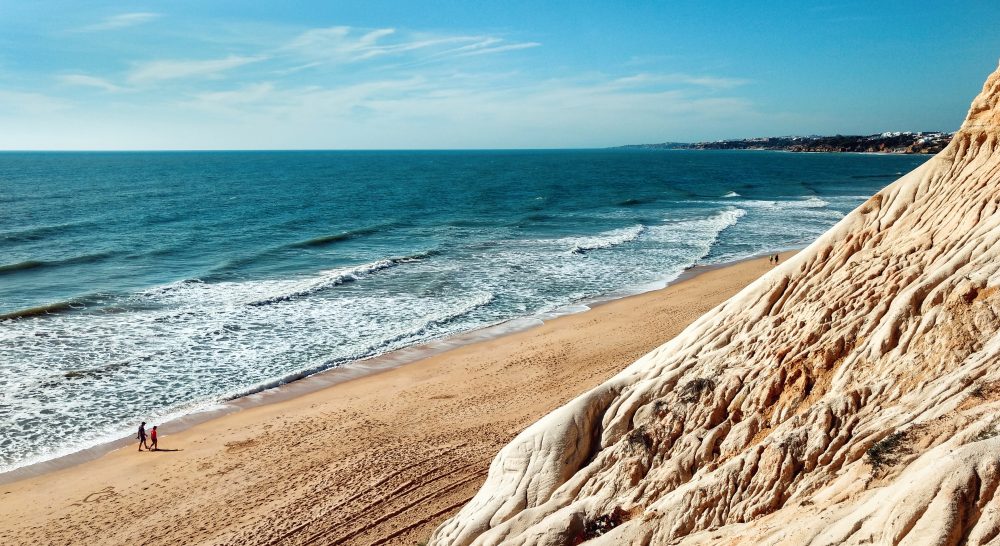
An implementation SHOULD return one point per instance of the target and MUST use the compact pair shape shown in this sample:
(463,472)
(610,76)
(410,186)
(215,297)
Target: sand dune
(849,396)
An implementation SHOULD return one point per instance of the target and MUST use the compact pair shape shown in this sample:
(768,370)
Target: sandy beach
(381,459)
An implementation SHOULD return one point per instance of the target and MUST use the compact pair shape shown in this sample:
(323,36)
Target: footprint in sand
(102,495)
(236,447)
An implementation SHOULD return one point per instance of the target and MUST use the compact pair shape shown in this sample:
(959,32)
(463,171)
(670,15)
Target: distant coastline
(897,142)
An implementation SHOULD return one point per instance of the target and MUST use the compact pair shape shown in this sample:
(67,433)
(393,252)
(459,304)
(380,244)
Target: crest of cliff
(849,396)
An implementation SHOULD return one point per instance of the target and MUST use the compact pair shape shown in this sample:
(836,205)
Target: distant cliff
(891,142)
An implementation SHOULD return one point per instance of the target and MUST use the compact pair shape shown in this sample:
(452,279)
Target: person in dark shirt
(142,436)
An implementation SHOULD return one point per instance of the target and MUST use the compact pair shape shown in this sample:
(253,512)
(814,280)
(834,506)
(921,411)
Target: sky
(331,74)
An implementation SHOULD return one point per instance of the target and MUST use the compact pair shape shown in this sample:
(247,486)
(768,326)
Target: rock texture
(849,396)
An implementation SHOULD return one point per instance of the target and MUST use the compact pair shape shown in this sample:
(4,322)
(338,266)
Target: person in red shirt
(152,439)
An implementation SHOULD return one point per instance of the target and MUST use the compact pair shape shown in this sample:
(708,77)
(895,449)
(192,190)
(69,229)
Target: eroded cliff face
(852,395)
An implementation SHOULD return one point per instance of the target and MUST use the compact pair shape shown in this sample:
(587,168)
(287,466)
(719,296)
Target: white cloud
(84,80)
(348,44)
(704,81)
(470,110)
(121,21)
(337,43)
(160,70)
(467,112)
(711,82)
(499,49)
(394,89)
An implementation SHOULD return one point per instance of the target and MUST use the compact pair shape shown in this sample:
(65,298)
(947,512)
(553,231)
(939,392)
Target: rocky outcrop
(851,395)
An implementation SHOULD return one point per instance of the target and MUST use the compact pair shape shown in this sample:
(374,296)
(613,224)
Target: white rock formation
(850,396)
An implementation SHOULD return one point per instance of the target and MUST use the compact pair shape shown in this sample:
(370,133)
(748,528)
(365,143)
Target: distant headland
(894,142)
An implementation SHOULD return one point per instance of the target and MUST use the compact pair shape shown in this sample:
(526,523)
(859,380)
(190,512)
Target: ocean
(145,286)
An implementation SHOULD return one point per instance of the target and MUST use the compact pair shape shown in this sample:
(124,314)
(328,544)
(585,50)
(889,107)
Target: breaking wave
(608,239)
(337,277)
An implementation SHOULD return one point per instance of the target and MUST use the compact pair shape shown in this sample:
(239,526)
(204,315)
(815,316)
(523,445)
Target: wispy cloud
(347,44)
(121,21)
(381,87)
(499,49)
(172,69)
(83,80)
(391,112)
(703,80)
(712,82)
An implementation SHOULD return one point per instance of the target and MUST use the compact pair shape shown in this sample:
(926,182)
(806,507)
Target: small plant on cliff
(987,433)
(692,390)
(978,391)
(601,525)
(886,451)
(639,438)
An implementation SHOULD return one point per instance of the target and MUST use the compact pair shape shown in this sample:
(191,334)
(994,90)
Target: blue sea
(144,286)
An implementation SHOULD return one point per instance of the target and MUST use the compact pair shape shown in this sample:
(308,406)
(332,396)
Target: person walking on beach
(775,259)
(142,436)
(152,439)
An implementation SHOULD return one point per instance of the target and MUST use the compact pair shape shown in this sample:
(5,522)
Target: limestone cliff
(851,395)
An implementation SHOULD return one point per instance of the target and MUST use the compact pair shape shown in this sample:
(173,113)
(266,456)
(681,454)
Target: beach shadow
(163,450)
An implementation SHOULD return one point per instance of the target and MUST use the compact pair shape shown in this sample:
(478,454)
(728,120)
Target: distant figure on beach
(142,436)
(770,259)
(152,439)
(775,259)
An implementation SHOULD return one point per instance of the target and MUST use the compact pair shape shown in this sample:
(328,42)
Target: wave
(482,300)
(608,239)
(719,223)
(810,202)
(471,222)
(635,202)
(731,194)
(805,202)
(698,234)
(337,277)
(324,240)
(538,217)
(38,264)
(47,309)
(224,270)
(21,266)
(378,348)
(41,232)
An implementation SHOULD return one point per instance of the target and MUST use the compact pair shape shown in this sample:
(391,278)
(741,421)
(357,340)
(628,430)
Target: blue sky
(389,75)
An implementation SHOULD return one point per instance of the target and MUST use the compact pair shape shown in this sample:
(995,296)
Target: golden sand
(382,459)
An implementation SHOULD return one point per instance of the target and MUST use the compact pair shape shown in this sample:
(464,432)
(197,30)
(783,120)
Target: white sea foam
(326,280)
(608,239)
(731,194)
(810,202)
(189,344)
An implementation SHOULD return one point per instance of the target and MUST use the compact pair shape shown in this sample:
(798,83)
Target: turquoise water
(148,285)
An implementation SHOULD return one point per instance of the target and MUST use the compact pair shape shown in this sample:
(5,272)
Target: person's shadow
(158,450)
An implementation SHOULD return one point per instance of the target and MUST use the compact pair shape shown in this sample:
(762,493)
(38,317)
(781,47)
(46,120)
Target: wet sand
(379,459)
